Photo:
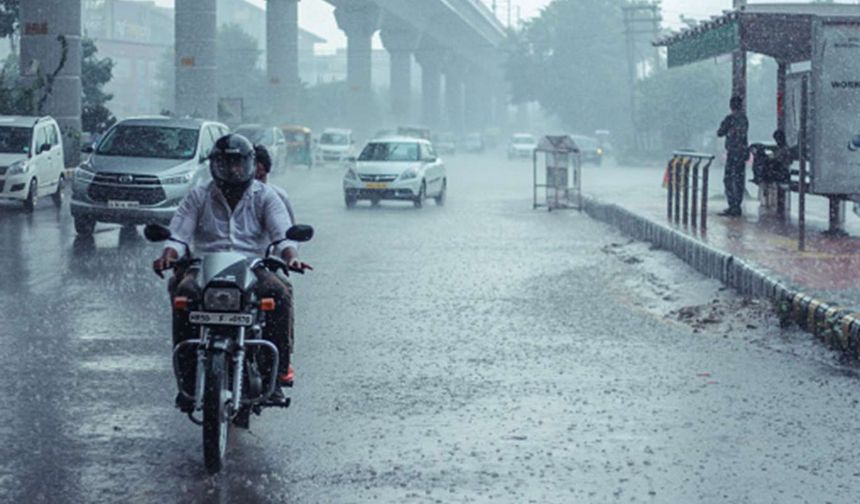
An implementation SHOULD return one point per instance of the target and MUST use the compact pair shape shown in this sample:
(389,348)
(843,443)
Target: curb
(837,327)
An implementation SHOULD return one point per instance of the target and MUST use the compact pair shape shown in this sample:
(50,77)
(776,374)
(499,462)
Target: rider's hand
(165,261)
(296,265)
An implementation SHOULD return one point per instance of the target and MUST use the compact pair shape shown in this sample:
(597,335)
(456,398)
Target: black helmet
(263,157)
(231,162)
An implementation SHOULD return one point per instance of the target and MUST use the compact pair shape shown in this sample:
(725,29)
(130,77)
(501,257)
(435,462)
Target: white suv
(31,160)
(396,168)
(335,146)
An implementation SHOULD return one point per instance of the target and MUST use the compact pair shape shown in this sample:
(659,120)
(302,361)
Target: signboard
(723,39)
(791,103)
(835,107)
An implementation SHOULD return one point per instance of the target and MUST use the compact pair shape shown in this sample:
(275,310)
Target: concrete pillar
(359,19)
(739,67)
(401,43)
(454,96)
(431,59)
(282,58)
(196,34)
(478,101)
(46,26)
(781,73)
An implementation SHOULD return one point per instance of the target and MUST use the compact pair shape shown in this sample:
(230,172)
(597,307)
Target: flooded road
(475,352)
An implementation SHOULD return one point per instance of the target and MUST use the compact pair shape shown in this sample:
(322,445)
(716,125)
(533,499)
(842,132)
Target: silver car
(140,171)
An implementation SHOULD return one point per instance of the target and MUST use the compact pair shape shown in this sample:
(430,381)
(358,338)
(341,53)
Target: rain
(340,251)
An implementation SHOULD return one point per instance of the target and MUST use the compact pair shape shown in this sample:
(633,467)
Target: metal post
(678,168)
(705,174)
(670,187)
(534,178)
(801,203)
(685,174)
(694,204)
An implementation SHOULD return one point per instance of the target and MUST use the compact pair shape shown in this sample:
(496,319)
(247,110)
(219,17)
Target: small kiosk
(559,185)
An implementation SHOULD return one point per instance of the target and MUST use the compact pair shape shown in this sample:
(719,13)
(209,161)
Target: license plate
(229,319)
(377,185)
(123,204)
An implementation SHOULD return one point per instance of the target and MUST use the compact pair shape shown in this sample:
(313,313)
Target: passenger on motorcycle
(264,167)
(233,212)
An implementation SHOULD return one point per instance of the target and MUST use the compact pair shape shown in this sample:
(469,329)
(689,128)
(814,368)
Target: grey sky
(316,15)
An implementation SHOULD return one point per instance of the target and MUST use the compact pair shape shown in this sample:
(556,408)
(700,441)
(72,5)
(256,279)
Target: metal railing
(688,174)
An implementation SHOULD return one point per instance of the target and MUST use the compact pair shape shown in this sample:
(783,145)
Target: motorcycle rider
(233,212)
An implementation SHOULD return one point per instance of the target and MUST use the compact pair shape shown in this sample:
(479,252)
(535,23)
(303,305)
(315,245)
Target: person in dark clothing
(734,127)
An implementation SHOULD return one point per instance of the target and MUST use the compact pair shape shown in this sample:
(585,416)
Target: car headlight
(222,300)
(409,174)
(83,174)
(182,178)
(599,151)
(350,175)
(18,167)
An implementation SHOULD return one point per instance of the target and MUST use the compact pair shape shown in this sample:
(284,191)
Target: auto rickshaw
(299,145)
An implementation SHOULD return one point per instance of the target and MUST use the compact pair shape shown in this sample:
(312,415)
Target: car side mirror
(156,233)
(87,149)
(300,233)
(45,147)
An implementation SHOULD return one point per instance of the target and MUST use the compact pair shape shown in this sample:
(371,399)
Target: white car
(521,145)
(396,168)
(335,146)
(31,160)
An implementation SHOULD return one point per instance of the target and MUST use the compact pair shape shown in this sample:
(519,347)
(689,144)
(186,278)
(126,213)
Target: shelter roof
(780,30)
(557,143)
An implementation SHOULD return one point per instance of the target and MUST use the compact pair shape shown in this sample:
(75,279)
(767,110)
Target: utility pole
(509,13)
(640,18)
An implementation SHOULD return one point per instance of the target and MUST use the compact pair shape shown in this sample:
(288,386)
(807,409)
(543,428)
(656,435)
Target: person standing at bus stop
(734,127)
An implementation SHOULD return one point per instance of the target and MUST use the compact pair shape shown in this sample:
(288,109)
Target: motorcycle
(230,350)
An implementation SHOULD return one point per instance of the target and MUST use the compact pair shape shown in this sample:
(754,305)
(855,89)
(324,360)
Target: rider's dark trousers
(734,178)
(279,323)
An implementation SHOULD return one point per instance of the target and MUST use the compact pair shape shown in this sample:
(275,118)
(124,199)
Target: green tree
(95,73)
(9,14)
(571,59)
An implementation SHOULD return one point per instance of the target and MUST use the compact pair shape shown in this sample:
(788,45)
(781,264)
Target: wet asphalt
(476,352)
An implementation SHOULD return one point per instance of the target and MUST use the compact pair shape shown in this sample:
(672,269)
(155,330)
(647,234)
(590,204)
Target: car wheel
(440,198)
(85,226)
(349,201)
(422,195)
(374,201)
(57,197)
(32,196)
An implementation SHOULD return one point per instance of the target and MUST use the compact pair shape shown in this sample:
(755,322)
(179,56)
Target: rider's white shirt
(204,220)
(282,193)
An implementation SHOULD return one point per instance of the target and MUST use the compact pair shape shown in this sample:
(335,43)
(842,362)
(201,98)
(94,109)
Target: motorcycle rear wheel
(216,420)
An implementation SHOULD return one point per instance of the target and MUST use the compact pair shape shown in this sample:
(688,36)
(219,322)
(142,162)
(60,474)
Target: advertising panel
(835,108)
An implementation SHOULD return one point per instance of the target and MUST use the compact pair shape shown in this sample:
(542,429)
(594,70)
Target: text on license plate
(123,204)
(377,185)
(231,319)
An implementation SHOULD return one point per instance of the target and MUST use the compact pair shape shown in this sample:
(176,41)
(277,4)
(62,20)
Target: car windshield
(255,135)
(150,142)
(334,139)
(15,140)
(294,136)
(523,140)
(390,151)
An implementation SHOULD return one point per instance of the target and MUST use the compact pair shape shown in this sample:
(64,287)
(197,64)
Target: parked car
(31,160)
(335,146)
(474,142)
(521,145)
(300,146)
(396,168)
(445,143)
(272,138)
(141,169)
(414,132)
(590,149)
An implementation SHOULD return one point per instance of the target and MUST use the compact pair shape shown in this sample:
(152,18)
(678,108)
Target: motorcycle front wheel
(216,420)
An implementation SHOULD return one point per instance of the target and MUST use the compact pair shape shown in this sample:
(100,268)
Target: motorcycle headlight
(18,167)
(182,178)
(83,174)
(409,174)
(222,300)
(350,175)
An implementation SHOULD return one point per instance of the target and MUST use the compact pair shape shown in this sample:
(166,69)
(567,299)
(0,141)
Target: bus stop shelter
(786,32)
